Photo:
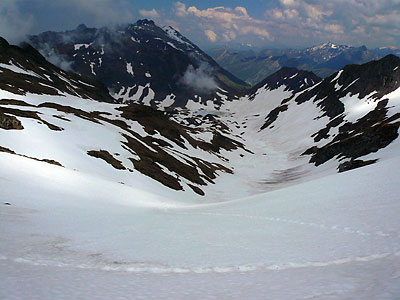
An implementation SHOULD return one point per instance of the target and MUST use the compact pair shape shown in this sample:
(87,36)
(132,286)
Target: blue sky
(259,23)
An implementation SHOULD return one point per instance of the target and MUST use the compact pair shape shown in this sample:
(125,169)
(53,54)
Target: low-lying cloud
(55,58)
(200,79)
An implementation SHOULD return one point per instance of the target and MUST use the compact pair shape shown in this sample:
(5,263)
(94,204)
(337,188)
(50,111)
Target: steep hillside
(54,116)
(141,63)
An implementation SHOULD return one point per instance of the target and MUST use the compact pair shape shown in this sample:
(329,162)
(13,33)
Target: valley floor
(68,235)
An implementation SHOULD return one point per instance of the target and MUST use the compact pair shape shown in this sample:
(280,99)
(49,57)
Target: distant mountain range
(253,66)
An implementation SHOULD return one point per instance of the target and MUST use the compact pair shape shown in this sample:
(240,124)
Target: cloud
(288,2)
(365,21)
(211,35)
(200,79)
(229,36)
(296,22)
(223,23)
(14,24)
(283,23)
(257,31)
(60,62)
(149,13)
(180,9)
(55,58)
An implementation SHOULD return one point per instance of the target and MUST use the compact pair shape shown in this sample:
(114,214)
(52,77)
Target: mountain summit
(141,63)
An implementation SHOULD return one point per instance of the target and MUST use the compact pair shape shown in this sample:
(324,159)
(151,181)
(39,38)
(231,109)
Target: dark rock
(107,157)
(353,164)
(10,122)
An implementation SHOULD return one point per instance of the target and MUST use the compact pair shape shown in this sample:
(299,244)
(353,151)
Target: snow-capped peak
(175,35)
(328,46)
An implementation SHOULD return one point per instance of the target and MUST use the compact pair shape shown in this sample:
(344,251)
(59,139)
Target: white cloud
(211,35)
(223,23)
(200,79)
(289,2)
(180,9)
(257,31)
(229,36)
(298,22)
(334,28)
(285,22)
(347,21)
(149,13)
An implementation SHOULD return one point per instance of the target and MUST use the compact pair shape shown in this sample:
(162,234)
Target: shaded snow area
(270,224)
(68,235)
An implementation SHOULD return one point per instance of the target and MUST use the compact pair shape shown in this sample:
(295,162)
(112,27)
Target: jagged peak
(144,22)
(328,45)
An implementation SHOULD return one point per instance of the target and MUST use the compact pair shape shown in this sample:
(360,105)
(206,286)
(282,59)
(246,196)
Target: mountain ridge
(323,59)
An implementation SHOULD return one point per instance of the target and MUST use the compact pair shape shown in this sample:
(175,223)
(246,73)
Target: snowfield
(74,236)
(276,227)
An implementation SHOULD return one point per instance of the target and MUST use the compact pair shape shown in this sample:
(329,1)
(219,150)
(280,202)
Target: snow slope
(310,240)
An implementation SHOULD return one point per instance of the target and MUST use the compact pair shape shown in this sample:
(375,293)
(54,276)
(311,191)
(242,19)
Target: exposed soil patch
(6,150)
(354,164)
(197,190)
(49,161)
(107,157)
(273,115)
(61,118)
(28,114)
(10,122)
(15,102)
(324,133)
(71,110)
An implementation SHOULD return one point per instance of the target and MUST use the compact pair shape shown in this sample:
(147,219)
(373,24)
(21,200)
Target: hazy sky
(261,23)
